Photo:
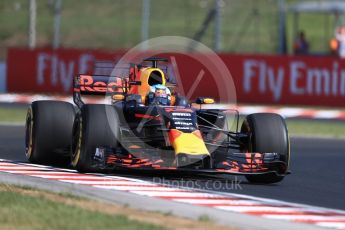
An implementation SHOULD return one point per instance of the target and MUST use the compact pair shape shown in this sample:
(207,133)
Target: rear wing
(97,85)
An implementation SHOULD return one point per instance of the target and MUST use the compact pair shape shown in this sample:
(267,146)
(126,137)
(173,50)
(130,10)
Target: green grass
(9,114)
(19,211)
(316,128)
(205,218)
(248,26)
(310,127)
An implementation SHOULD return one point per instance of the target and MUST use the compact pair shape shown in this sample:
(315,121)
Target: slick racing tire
(267,134)
(48,132)
(95,126)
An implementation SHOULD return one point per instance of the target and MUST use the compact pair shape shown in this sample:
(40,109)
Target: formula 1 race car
(149,126)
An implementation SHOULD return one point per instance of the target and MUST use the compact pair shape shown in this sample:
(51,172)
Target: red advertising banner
(290,80)
(259,79)
(47,70)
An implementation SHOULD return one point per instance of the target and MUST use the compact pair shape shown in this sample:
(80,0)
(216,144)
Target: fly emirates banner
(258,79)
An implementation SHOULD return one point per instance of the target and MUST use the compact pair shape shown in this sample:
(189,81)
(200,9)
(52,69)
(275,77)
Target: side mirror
(204,100)
(118,97)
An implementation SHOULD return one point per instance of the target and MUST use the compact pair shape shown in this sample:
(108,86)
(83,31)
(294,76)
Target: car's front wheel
(267,133)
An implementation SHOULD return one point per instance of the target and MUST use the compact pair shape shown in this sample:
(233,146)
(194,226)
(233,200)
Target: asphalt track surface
(317,166)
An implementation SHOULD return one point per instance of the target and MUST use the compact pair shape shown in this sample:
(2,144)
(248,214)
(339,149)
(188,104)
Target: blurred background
(288,51)
(246,26)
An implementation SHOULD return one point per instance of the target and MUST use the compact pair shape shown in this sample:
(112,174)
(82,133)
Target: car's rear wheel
(96,126)
(49,132)
(267,133)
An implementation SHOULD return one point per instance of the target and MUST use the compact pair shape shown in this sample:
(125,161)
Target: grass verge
(12,114)
(322,128)
(300,127)
(27,208)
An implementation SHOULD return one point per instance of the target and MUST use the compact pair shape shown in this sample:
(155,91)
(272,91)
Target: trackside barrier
(259,79)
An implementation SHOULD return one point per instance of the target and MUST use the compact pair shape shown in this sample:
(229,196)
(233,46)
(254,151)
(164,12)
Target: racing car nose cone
(184,160)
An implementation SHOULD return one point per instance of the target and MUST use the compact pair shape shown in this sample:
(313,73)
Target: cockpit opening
(155,78)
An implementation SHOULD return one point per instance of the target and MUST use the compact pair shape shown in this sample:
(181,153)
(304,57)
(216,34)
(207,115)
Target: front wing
(235,164)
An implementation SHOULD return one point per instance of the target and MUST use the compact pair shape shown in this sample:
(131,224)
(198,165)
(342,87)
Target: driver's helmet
(159,95)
